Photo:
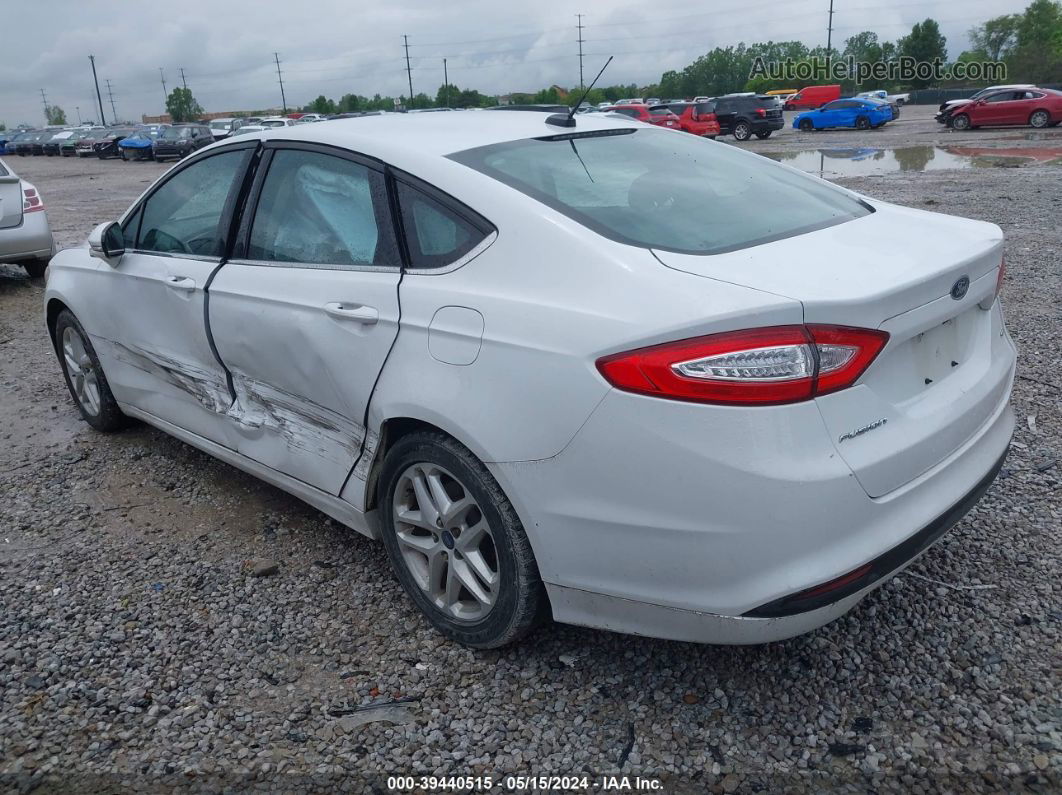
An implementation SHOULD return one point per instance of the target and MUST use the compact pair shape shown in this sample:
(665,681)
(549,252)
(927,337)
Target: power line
(409,71)
(99,97)
(110,96)
(579,39)
(280,79)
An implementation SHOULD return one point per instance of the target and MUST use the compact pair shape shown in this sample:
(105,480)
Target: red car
(1037,107)
(694,117)
(660,115)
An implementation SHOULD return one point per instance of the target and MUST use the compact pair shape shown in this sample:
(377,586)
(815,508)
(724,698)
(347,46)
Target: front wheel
(84,375)
(742,131)
(456,543)
(806,125)
(960,122)
(1040,119)
(862,123)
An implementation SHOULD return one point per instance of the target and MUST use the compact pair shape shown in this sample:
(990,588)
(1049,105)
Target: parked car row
(741,115)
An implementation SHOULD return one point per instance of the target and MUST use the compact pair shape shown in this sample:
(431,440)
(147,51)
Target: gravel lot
(138,651)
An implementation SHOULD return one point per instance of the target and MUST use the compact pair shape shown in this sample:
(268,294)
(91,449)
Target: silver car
(25,237)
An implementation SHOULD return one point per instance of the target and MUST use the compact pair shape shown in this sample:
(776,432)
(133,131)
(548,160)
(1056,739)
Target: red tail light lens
(761,112)
(31,202)
(766,366)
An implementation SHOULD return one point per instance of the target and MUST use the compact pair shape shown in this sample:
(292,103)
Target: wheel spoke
(413,517)
(423,544)
(463,576)
(478,565)
(422,492)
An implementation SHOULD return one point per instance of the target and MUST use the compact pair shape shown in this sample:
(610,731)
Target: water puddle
(870,161)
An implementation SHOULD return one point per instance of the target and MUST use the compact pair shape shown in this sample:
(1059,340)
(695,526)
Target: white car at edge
(606,372)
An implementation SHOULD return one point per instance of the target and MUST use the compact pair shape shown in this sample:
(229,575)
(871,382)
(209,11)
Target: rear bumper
(681,521)
(32,239)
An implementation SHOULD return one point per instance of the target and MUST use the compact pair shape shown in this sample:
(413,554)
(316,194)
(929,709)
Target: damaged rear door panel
(153,336)
(305,313)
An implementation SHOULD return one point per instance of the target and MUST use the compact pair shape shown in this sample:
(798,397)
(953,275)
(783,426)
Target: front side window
(673,192)
(437,235)
(1002,96)
(316,209)
(184,216)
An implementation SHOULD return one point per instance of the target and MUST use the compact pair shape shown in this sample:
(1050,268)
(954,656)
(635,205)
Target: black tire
(710,137)
(960,122)
(1040,119)
(520,602)
(109,417)
(862,123)
(763,136)
(35,268)
(806,125)
(742,130)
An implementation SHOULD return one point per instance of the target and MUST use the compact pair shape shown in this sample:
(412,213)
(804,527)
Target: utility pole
(183,81)
(280,79)
(409,70)
(165,95)
(110,96)
(580,40)
(44,99)
(446,84)
(99,97)
(78,109)
(829,40)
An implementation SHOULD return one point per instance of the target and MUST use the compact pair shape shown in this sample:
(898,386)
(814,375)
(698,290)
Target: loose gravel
(169,623)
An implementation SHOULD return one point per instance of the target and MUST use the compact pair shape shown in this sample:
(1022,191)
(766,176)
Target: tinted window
(322,210)
(661,111)
(704,107)
(184,215)
(626,112)
(1002,96)
(674,192)
(437,235)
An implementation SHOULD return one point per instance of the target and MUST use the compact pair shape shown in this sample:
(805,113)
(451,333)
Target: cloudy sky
(332,47)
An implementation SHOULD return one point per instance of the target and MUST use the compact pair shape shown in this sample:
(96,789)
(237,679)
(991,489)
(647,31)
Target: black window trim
(249,209)
(231,203)
(473,218)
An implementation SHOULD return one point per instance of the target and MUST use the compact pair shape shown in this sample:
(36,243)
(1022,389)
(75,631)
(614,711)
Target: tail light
(761,112)
(765,366)
(31,202)
(989,301)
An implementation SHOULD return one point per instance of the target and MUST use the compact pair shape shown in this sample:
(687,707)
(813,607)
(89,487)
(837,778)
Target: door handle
(359,313)
(180,283)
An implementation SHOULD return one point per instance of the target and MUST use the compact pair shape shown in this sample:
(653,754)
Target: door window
(320,210)
(185,215)
(436,235)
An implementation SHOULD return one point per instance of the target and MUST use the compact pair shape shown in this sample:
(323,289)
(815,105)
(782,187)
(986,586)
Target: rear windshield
(663,110)
(654,189)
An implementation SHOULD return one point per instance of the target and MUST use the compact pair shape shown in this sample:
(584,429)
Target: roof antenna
(568,119)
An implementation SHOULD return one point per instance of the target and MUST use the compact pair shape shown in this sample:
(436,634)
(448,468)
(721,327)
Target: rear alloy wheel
(862,123)
(960,122)
(1040,119)
(84,375)
(742,131)
(456,543)
(806,125)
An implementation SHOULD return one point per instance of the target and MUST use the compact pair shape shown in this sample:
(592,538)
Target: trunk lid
(948,365)
(10,199)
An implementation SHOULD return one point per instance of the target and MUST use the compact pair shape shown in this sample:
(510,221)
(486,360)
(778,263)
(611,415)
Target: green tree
(995,39)
(181,105)
(1037,54)
(924,43)
(321,105)
(55,114)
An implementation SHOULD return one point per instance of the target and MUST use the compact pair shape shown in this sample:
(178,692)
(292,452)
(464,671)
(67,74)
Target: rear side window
(704,107)
(317,209)
(664,111)
(672,192)
(184,216)
(437,235)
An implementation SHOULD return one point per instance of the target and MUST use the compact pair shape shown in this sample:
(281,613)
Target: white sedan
(605,372)
(25,236)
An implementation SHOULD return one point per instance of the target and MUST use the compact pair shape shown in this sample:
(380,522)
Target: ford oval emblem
(958,290)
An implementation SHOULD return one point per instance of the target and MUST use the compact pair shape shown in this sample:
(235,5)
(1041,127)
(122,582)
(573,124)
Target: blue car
(862,114)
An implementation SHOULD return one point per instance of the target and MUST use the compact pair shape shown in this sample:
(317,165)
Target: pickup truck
(892,99)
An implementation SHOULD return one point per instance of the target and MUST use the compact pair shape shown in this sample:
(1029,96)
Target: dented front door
(150,327)
(305,314)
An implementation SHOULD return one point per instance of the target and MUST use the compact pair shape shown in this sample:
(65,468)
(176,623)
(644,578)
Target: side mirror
(106,242)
